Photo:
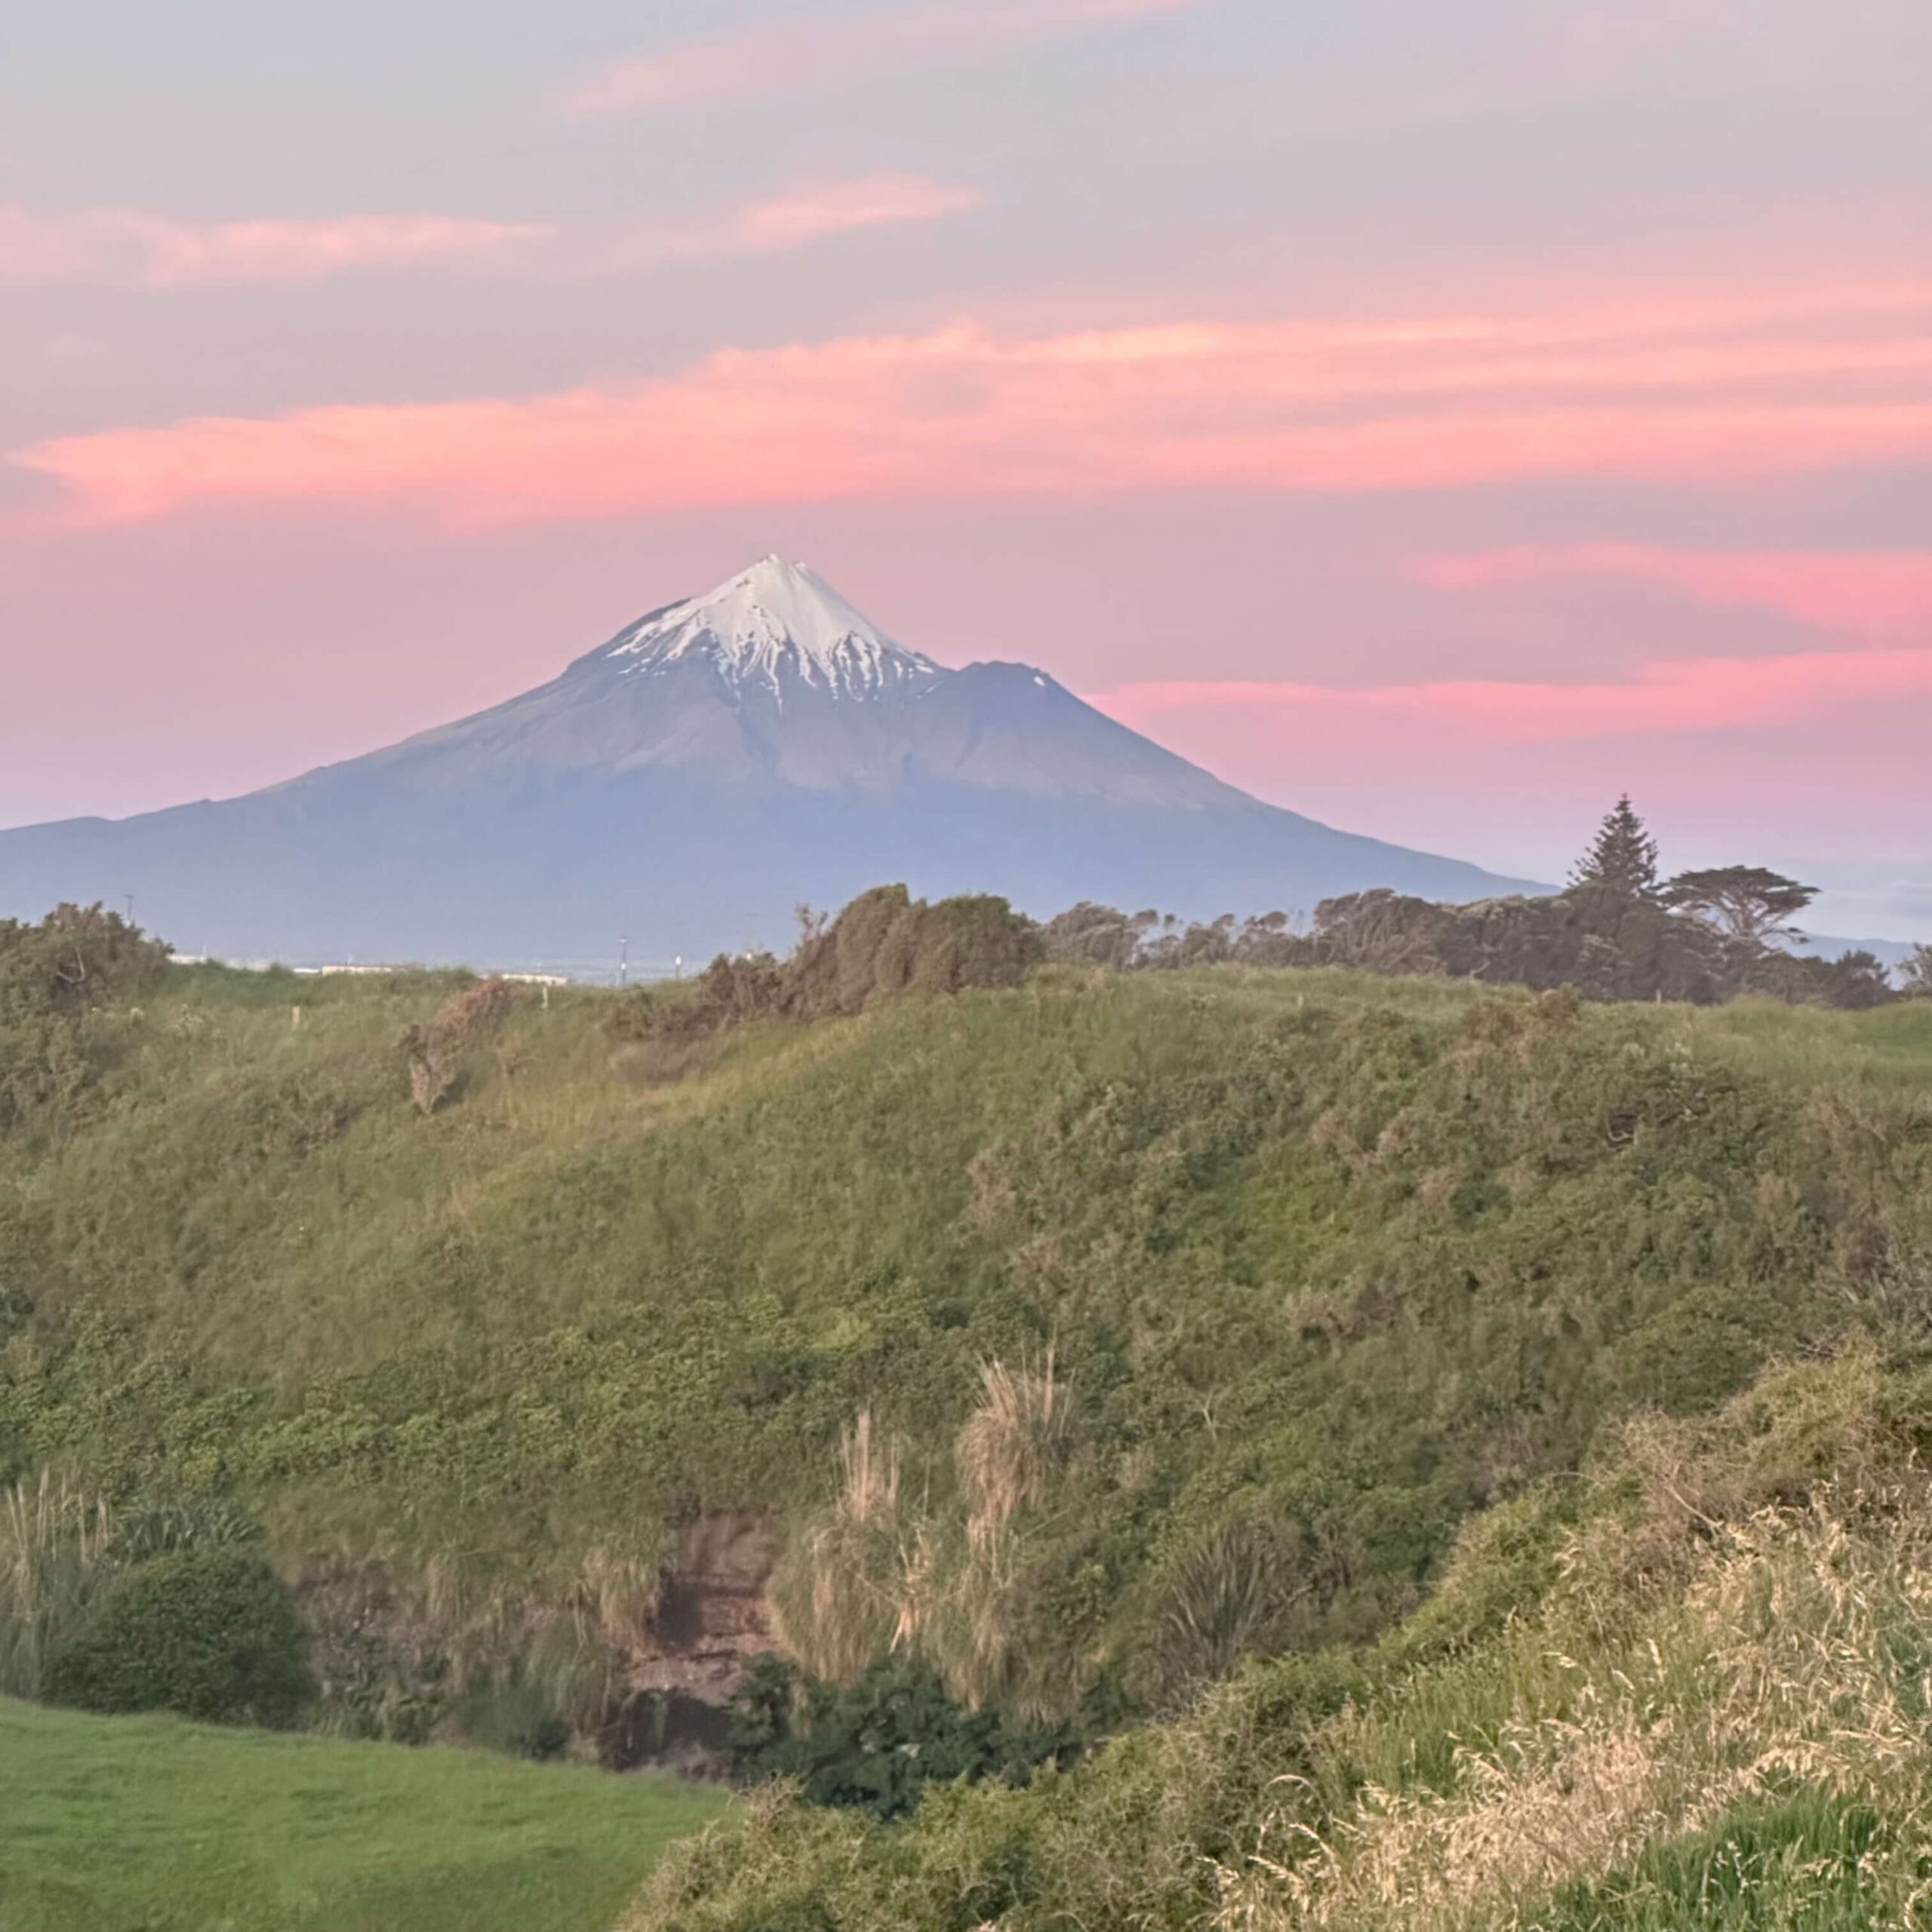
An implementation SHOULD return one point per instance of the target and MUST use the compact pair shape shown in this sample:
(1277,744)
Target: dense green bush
(210,1634)
(53,974)
(874,1745)
(76,958)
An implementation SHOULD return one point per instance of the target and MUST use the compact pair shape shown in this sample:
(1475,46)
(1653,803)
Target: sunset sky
(1436,419)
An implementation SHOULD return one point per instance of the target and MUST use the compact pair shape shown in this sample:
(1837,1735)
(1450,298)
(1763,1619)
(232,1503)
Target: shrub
(435,1050)
(885,943)
(75,958)
(875,1744)
(208,1634)
(51,975)
(1011,1445)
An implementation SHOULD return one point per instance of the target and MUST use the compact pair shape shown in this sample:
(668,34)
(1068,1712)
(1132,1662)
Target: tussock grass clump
(837,1594)
(57,1550)
(874,1573)
(1012,1445)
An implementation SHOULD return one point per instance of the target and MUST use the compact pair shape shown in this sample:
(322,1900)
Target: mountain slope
(688,782)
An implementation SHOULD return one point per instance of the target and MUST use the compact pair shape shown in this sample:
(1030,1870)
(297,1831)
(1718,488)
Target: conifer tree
(1623,857)
(1747,902)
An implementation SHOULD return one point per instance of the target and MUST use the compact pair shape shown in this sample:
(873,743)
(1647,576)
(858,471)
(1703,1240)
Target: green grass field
(148,1824)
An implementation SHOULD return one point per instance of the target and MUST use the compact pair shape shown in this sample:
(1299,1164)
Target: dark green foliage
(53,975)
(1607,944)
(1854,982)
(159,1529)
(874,1745)
(1915,976)
(1622,860)
(76,958)
(208,1634)
(1743,902)
(1614,934)
(1091,935)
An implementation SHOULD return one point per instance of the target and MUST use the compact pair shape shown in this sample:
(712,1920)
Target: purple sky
(1437,419)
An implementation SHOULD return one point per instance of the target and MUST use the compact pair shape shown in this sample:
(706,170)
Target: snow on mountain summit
(774,623)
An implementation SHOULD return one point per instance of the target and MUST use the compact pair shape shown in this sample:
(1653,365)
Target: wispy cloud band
(1714,391)
(137,247)
(1877,594)
(1693,695)
(132,247)
(793,57)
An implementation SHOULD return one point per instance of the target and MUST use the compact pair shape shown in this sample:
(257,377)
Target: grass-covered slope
(1325,1261)
(150,1825)
(1692,1688)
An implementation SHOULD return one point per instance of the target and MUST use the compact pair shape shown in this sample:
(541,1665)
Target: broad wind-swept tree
(1746,902)
(1623,857)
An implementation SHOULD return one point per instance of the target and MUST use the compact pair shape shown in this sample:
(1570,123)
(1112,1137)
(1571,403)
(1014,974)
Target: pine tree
(1623,857)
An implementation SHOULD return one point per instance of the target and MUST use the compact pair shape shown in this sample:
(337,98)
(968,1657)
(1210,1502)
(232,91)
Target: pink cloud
(808,214)
(792,56)
(1692,695)
(1765,760)
(133,246)
(1876,594)
(130,247)
(1717,393)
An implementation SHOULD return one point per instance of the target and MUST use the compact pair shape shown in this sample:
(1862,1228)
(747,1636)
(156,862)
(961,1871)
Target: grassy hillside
(1424,1403)
(1691,1689)
(1325,1262)
(149,1825)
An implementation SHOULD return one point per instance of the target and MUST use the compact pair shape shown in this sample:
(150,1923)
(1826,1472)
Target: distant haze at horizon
(1433,425)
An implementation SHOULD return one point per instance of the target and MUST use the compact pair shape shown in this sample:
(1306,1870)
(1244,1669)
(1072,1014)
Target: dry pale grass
(1799,1657)
(1012,1444)
(54,1547)
(616,1595)
(873,1572)
(837,1596)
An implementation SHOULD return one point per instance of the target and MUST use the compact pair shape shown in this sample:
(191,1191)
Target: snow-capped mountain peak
(771,625)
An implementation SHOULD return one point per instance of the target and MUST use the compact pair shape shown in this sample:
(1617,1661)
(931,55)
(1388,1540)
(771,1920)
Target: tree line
(1618,930)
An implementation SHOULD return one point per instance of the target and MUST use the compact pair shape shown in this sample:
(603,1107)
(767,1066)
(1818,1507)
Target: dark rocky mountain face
(690,781)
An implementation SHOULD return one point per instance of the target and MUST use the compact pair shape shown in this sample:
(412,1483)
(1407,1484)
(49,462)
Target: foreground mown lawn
(149,1825)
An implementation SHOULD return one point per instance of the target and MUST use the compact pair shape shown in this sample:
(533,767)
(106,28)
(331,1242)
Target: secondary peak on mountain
(774,624)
